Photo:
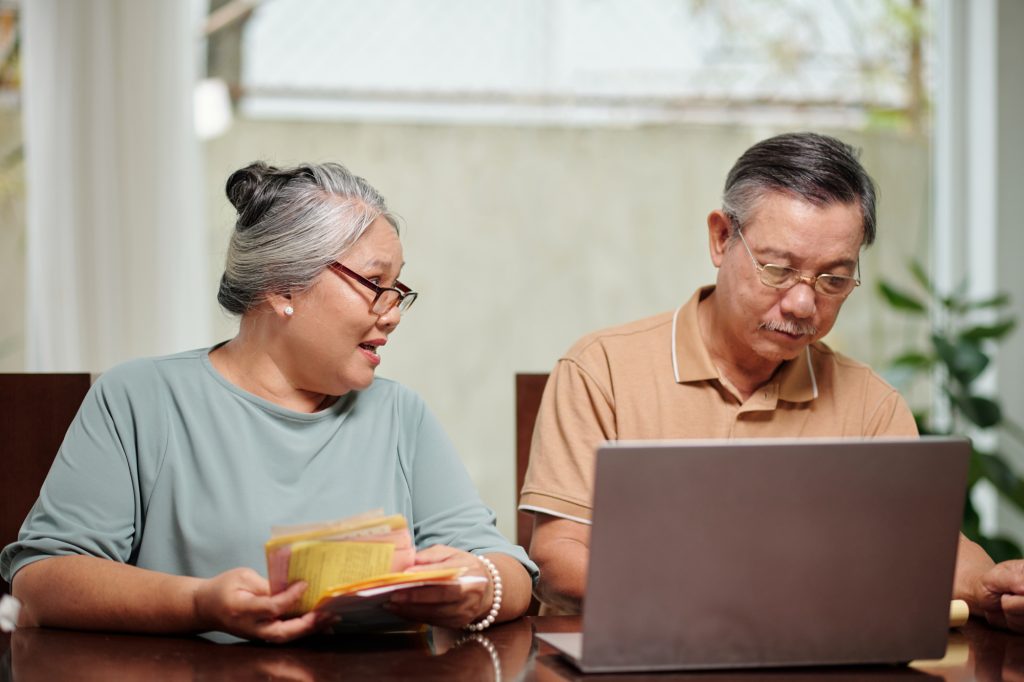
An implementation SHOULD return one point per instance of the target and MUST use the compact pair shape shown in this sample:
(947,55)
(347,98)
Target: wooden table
(507,652)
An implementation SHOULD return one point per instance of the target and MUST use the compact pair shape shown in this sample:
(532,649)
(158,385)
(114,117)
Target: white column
(1009,209)
(116,252)
(978,202)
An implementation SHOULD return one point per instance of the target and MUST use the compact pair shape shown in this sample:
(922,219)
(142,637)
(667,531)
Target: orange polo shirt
(654,378)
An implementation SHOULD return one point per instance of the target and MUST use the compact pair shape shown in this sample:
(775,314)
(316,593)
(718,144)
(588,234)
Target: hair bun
(248,192)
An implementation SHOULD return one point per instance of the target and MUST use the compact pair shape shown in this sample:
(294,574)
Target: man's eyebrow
(841,263)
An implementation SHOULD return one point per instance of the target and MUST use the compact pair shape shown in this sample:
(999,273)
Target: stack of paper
(350,564)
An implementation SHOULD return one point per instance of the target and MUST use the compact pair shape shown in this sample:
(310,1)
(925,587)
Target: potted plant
(957,352)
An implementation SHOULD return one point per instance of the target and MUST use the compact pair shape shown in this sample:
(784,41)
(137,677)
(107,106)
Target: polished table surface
(505,652)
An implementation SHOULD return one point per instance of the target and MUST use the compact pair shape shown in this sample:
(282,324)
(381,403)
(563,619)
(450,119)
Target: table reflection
(507,652)
(501,653)
(555,669)
(993,655)
(974,652)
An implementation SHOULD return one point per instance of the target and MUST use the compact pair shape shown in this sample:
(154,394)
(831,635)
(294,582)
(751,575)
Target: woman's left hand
(452,606)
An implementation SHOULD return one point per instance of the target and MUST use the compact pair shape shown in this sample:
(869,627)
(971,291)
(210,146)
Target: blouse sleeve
(89,503)
(446,507)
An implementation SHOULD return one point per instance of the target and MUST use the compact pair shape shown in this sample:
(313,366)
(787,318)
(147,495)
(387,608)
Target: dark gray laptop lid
(772,553)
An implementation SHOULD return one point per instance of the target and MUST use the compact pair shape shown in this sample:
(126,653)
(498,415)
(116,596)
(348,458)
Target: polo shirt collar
(690,358)
(796,380)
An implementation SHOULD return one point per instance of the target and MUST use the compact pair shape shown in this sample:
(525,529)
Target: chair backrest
(35,412)
(529,389)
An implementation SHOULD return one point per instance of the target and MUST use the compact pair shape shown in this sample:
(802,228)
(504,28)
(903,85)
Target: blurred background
(553,162)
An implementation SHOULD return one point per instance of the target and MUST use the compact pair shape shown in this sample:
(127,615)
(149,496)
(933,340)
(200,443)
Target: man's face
(777,324)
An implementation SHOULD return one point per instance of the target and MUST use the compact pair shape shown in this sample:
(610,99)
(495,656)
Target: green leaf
(975,470)
(923,427)
(900,299)
(955,302)
(997,301)
(964,359)
(992,467)
(917,270)
(1000,548)
(913,360)
(995,469)
(980,411)
(995,331)
(971,525)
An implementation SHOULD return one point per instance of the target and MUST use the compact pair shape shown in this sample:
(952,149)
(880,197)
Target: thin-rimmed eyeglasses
(783,277)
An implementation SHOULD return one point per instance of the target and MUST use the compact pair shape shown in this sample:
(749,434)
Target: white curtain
(116,248)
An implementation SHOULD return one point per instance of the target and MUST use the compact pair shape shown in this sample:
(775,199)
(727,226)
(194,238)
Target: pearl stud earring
(289,311)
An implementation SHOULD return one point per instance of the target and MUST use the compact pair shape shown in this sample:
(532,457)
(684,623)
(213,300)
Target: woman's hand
(452,606)
(90,593)
(239,602)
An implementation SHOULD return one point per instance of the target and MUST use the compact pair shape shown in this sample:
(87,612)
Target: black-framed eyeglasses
(783,277)
(384,298)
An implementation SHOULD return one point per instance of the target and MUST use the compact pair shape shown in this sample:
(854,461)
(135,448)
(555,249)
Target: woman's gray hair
(817,168)
(292,222)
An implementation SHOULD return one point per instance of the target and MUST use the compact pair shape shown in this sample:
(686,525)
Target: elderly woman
(155,512)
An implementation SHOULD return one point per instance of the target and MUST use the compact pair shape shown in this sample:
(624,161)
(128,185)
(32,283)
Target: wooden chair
(35,412)
(529,389)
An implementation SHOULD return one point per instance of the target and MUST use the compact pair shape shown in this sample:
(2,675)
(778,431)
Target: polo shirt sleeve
(446,507)
(89,503)
(891,417)
(577,413)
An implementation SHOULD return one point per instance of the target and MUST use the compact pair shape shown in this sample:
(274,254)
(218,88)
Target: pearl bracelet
(496,603)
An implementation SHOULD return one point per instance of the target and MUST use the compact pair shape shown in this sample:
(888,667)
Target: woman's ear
(281,304)
(719,232)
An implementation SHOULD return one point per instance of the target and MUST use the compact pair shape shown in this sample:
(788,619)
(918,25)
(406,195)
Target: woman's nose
(390,319)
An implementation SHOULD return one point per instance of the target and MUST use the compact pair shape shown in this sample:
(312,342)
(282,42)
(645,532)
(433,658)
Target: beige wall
(522,239)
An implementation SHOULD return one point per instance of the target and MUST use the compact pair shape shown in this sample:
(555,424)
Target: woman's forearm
(90,593)
(516,586)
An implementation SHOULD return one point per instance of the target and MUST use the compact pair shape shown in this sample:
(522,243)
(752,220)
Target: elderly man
(742,358)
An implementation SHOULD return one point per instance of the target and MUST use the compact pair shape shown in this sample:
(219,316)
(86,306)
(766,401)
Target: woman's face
(334,339)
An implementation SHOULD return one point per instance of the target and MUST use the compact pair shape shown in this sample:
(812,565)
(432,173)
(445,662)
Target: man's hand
(239,602)
(1001,595)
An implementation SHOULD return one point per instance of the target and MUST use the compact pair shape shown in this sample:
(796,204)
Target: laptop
(769,553)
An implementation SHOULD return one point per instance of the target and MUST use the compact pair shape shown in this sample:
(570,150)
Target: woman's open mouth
(369,350)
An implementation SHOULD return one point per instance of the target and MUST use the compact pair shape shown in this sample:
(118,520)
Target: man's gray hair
(292,222)
(817,168)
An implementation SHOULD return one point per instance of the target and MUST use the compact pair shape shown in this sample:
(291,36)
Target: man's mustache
(789,327)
